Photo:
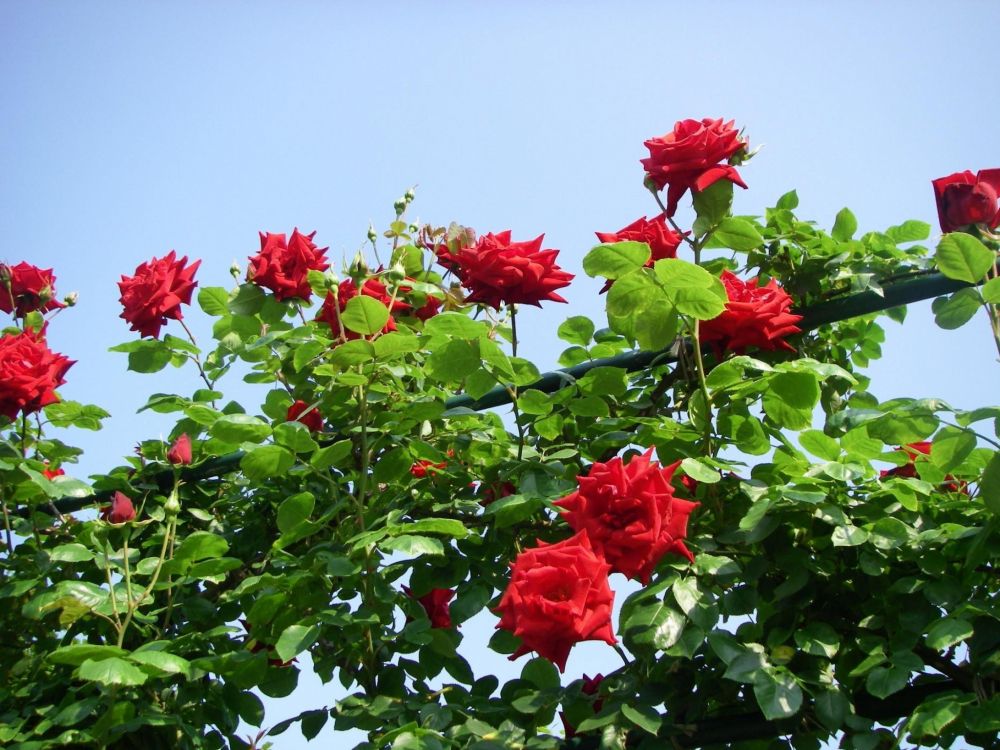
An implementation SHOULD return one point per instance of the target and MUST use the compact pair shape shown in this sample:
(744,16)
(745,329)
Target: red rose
(754,316)
(180,451)
(156,293)
(909,469)
(120,510)
(630,514)
(430,308)
(334,305)
(52,473)
(493,492)
(424,466)
(662,240)
(29,374)
(498,271)
(690,156)
(435,604)
(311,419)
(964,198)
(25,288)
(590,686)
(283,267)
(558,596)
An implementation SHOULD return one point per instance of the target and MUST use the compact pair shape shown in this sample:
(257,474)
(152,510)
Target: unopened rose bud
(409,195)
(71,299)
(235,270)
(173,505)
(358,266)
(5,274)
(399,206)
(372,234)
(396,273)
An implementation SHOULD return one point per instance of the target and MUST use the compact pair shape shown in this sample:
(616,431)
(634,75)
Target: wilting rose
(30,372)
(311,419)
(25,288)
(630,513)
(180,450)
(498,271)
(436,604)
(558,596)
(964,199)
(662,240)
(692,156)
(156,292)
(755,315)
(283,267)
(121,509)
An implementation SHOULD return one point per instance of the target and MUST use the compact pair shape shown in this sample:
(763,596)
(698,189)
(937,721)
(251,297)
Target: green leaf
(295,510)
(111,671)
(332,455)
(789,200)
(820,445)
(249,300)
(962,257)
(145,355)
(697,469)
(534,402)
(957,309)
(690,288)
(456,325)
(653,626)
(364,315)
(73,552)
(636,297)
(989,484)
(161,662)
(948,631)
(818,639)
(313,722)
(446,526)
(790,398)
(909,231)
(884,681)
(736,234)
(614,260)
(394,343)
(951,447)
(541,673)
(712,204)
(991,291)
(295,639)
(844,226)
(656,326)
(295,436)
(412,546)
(778,694)
(240,428)
(200,545)
(454,361)
(589,406)
(577,330)
(78,653)
(931,717)
(644,717)
(848,536)
(214,300)
(267,461)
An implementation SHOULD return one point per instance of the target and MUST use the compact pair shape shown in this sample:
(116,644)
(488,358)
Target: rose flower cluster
(626,520)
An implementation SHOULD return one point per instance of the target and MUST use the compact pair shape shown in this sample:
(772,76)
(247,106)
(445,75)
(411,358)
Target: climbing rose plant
(806,561)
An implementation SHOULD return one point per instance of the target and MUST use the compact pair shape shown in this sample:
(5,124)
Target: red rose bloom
(754,316)
(425,466)
(435,604)
(558,596)
(283,267)
(29,374)
(334,305)
(662,240)
(630,514)
(120,510)
(180,451)
(430,308)
(964,198)
(312,419)
(909,469)
(690,158)
(52,473)
(498,271)
(25,288)
(156,293)
(590,686)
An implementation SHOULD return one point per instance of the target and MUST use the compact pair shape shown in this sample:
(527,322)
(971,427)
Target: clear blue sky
(130,129)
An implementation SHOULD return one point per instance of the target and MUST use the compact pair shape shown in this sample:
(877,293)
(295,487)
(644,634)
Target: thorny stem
(197,359)
(6,527)
(361,487)
(111,590)
(133,604)
(700,365)
(513,389)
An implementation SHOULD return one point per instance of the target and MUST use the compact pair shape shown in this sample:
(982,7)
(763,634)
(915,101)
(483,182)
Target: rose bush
(813,593)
